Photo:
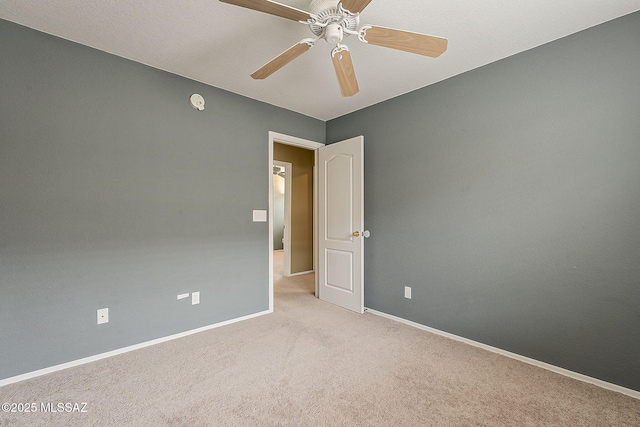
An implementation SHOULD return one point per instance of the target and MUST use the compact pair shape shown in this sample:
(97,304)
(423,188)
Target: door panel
(339,197)
(340,269)
(340,214)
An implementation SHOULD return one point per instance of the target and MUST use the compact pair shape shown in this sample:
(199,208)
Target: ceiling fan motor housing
(331,22)
(318,6)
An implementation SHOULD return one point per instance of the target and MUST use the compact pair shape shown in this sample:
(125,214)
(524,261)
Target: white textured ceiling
(221,44)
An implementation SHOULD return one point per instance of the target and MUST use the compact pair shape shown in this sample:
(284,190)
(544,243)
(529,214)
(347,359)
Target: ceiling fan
(332,20)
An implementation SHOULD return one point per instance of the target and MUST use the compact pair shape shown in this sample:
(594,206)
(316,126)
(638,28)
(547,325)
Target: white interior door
(340,223)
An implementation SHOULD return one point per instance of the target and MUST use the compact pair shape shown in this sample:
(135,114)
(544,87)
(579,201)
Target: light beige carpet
(313,364)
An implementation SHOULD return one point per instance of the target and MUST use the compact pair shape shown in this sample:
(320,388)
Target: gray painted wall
(508,198)
(115,192)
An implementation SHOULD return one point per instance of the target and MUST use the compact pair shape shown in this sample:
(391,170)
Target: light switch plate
(407,292)
(103,316)
(259,215)
(195,298)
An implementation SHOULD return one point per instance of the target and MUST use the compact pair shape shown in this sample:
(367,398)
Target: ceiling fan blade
(344,70)
(283,59)
(272,7)
(422,44)
(354,6)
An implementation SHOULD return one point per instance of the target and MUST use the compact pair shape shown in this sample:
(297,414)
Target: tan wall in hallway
(301,204)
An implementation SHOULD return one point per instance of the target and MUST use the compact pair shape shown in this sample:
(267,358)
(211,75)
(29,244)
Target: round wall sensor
(197,101)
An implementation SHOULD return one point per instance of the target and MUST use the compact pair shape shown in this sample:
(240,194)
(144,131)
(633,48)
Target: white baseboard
(112,353)
(300,273)
(580,377)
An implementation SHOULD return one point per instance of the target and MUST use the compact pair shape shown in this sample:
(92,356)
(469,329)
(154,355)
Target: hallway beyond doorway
(282,285)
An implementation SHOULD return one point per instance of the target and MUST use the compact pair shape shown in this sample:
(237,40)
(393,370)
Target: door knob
(365,233)
(356,234)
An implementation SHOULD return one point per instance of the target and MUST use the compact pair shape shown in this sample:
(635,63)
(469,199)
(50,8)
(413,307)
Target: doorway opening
(282,179)
(299,249)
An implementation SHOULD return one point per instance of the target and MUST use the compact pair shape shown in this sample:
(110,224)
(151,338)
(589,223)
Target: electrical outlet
(407,292)
(195,298)
(103,316)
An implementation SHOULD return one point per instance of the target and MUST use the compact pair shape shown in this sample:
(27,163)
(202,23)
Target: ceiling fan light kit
(333,20)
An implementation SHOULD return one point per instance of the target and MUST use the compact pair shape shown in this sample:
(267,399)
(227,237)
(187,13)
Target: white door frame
(309,145)
(287,214)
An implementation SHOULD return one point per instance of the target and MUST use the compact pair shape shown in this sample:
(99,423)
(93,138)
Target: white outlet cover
(195,298)
(103,316)
(407,292)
